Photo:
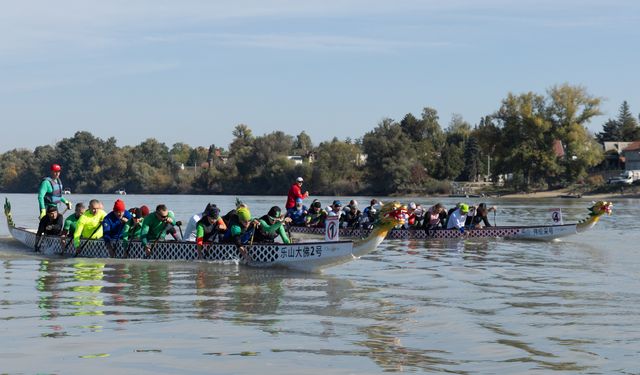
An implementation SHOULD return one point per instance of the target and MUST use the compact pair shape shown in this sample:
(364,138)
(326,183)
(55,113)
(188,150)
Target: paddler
(209,227)
(71,221)
(298,213)
(480,219)
(89,225)
(190,230)
(156,226)
(316,215)
(271,226)
(132,228)
(113,225)
(240,229)
(458,217)
(51,225)
(50,192)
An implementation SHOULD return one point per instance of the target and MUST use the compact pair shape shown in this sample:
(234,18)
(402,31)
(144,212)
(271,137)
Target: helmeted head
(144,211)
(464,208)
(316,205)
(299,180)
(337,205)
(55,170)
(136,214)
(213,212)
(244,216)
(274,213)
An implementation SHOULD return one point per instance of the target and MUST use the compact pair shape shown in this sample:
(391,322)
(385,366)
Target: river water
(462,306)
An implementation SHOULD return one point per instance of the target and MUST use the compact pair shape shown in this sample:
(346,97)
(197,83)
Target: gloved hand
(462,230)
(42,213)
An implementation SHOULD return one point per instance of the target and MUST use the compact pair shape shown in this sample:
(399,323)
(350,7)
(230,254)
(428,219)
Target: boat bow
(391,215)
(598,209)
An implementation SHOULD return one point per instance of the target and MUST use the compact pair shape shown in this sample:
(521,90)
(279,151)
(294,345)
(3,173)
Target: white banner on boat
(332,228)
(556,216)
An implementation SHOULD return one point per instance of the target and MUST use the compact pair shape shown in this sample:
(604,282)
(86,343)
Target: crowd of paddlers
(237,226)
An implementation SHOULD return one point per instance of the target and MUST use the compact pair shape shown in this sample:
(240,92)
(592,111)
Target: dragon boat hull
(302,256)
(539,232)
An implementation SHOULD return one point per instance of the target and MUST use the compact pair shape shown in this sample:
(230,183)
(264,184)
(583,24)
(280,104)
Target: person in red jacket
(295,192)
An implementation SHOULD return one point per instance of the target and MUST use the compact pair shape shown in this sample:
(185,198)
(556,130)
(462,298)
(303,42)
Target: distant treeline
(538,140)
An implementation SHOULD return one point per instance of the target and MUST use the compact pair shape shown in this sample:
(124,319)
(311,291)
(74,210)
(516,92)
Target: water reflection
(84,297)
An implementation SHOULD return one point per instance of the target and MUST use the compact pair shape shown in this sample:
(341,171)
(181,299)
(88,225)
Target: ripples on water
(473,306)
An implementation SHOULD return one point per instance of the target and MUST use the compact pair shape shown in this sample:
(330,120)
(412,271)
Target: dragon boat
(534,232)
(310,256)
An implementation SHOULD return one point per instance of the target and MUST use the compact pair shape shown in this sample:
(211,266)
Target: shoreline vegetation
(532,143)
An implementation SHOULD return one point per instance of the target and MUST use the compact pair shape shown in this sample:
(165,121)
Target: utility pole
(488,166)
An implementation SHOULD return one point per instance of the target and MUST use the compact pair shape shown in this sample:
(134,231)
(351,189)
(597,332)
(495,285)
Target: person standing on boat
(458,217)
(295,191)
(271,226)
(50,192)
(113,225)
(89,225)
(156,226)
(298,213)
(51,225)
(209,226)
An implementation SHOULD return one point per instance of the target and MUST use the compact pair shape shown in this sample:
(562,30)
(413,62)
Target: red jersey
(294,192)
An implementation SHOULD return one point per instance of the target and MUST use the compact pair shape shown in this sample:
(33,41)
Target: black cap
(274,212)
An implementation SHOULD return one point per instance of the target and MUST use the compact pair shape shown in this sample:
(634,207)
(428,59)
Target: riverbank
(627,192)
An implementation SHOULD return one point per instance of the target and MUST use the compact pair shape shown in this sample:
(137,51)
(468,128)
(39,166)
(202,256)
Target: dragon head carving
(392,214)
(600,208)
(7,211)
(595,211)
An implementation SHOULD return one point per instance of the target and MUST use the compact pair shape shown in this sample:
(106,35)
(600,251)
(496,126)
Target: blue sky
(190,71)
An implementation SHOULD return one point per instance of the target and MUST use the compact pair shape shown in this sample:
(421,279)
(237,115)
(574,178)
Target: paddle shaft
(133,229)
(87,241)
(158,238)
